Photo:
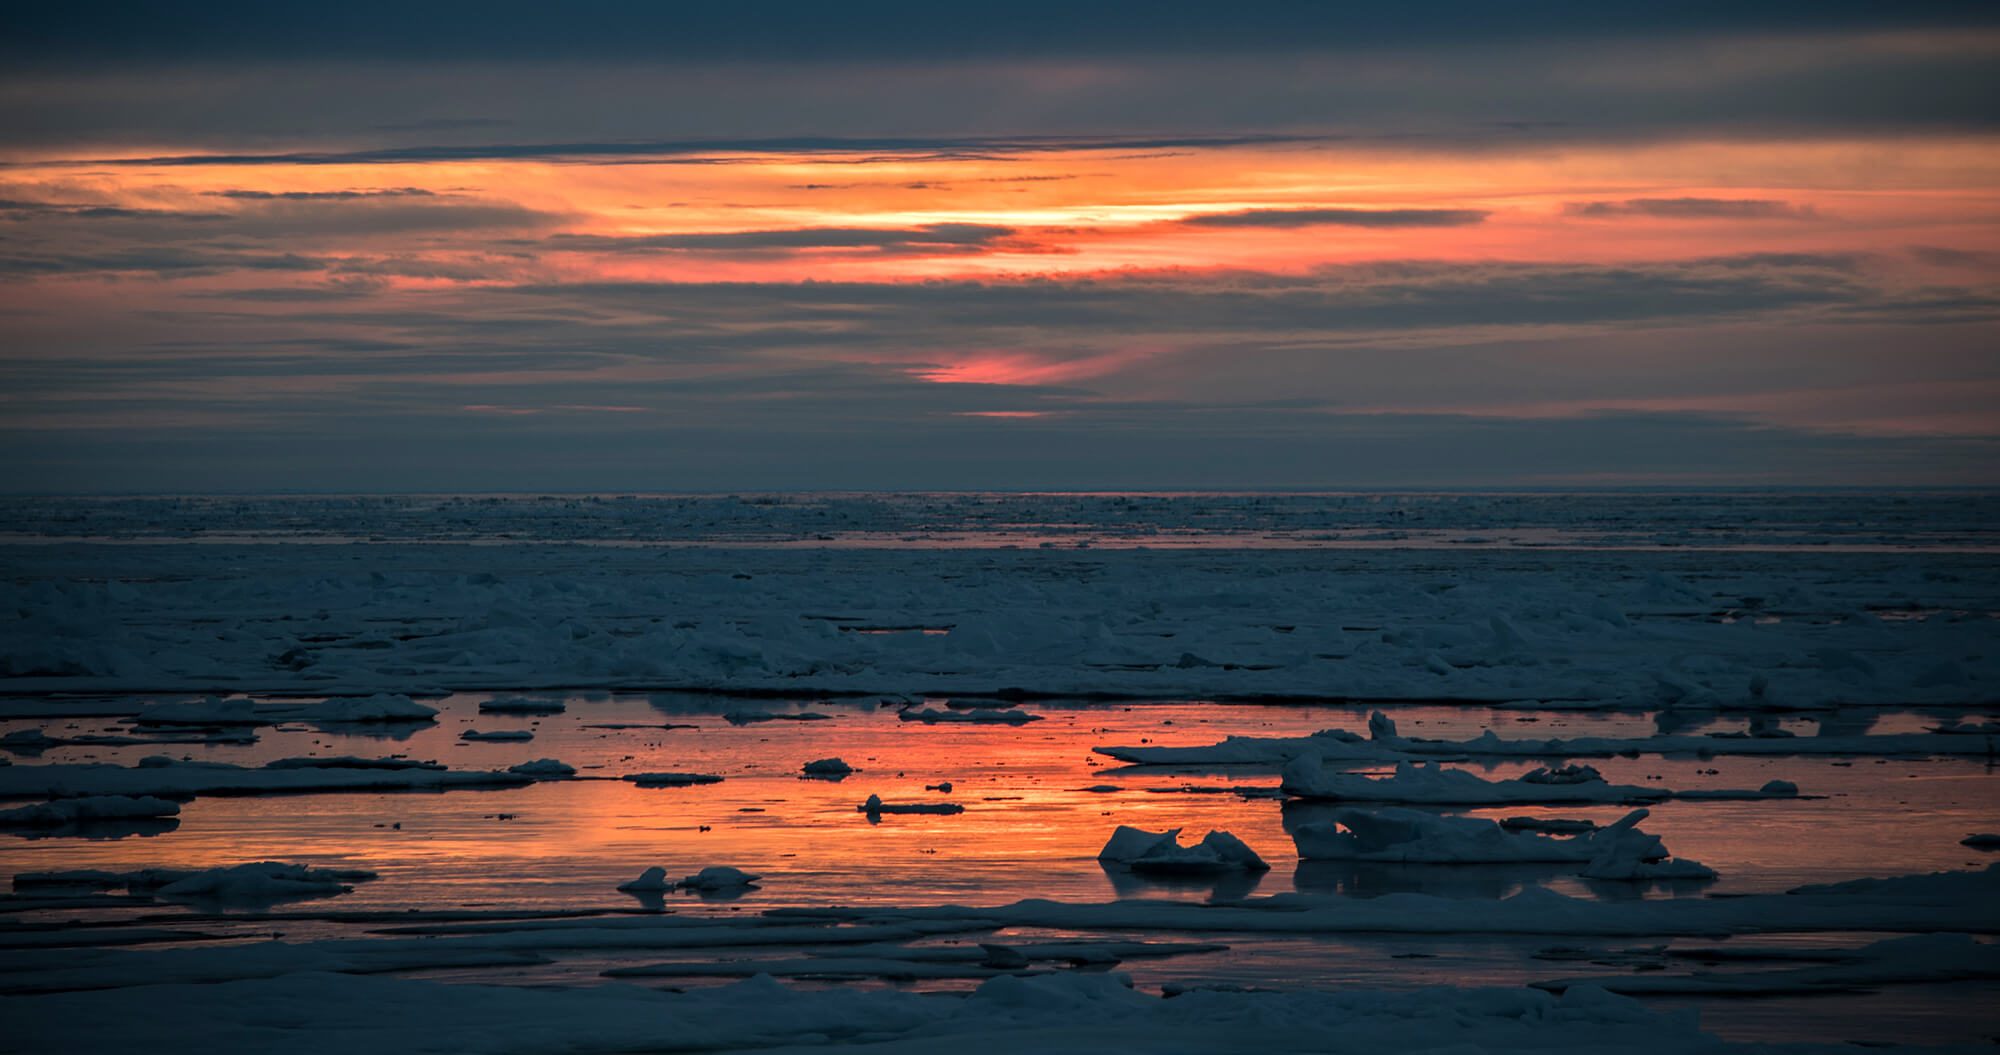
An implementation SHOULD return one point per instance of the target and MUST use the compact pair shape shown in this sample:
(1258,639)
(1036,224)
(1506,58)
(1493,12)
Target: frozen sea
(1064,664)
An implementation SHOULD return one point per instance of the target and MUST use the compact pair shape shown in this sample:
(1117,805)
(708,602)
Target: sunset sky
(590,247)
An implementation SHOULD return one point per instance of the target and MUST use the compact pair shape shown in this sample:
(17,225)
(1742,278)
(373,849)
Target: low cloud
(322,195)
(1693,209)
(1284,218)
(1940,256)
(944,236)
(158,260)
(16,209)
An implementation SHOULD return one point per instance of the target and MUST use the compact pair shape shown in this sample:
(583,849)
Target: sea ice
(1395,834)
(261,882)
(930,715)
(1918,958)
(88,808)
(352,762)
(508,735)
(1161,852)
(875,807)
(543,769)
(671,780)
(1384,745)
(162,775)
(522,705)
(212,710)
(1430,782)
(652,880)
(827,767)
(718,877)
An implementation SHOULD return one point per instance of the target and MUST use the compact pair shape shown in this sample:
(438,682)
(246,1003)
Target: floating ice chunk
(1572,774)
(170,762)
(929,715)
(262,881)
(543,769)
(1144,851)
(1779,787)
(718,877)
(522,705)
(1394,834)
(651,881)
(1343,745)
(746,717)
(352,762)
(1002,957)
(88,808)
(497,735)
(827,767)
(381,707)
(210,710)
(1982,841)
(875,807)
(164,775)
(1380,726)
(1232,850)
(1670,869)
(1918,958)
(671,780)
(1968,728)
(1548,825)
(1432,783)
(1624,852)
(1128,843)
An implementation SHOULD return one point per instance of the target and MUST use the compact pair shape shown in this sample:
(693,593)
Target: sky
(596,247)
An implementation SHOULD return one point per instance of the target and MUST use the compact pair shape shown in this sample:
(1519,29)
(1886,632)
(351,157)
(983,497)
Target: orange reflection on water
(1032,824)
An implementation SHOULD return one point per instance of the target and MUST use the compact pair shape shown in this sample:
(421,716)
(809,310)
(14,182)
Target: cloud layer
(899,246)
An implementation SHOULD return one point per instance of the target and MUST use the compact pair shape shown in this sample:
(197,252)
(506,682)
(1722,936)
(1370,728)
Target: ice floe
(88,808)
(1384,745)
(160,775)
(522,705)
(1162,853)
(1918,958)
(1396,834)
(212,710)
(718,877)
(875,807)
(498,735)
(261,882)
(543,769)
(1431,782)
(651,881)
(671,779)
(931,715)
